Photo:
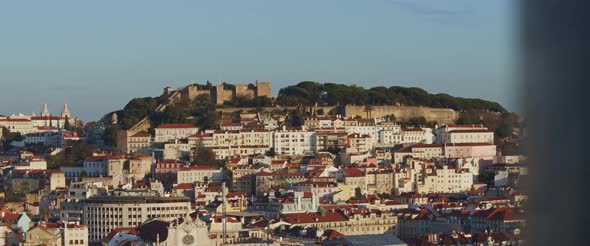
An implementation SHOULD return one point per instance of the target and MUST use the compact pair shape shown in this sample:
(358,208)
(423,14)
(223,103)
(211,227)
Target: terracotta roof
(503,213)
(197,168)
(470,131)
(141,135)
(420,145)
(333,234)
(230,124)
(264,174)
(316,184)
(464,126)
(353,172)
(415,129)
(169,162)
(176,125)
(467,144)
(11,217)
(304,218)
(184,186)
(94,158)
(51,117)
(15,120)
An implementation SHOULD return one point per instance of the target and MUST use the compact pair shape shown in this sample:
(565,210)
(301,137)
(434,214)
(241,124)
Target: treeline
(309,93)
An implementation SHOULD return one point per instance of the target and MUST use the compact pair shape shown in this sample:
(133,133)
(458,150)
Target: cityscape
(231,164)
(289,123)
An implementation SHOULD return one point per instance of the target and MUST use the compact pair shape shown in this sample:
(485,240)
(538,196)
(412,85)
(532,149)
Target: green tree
(486,177)
(203,156)
(110,136)
(368,109)
(295,118)
(10,137)
(67,124)
(358,194)
(271,152)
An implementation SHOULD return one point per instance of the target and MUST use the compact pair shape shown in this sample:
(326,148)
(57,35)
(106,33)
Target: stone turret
(168,91)
(45,112)
(66,112)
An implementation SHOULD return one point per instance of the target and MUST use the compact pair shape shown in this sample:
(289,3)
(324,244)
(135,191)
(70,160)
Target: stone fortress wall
(402,113)
(440,115)
(219,93)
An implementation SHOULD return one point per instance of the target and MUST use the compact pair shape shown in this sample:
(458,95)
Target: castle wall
(263,89)
(440,115)
(244,91)
(191,92)
(222,95)
(175,97)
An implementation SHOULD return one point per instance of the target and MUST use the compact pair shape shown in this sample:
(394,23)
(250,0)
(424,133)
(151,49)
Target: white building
(294,141)
(177,150)
(464,134)
(417,135)
(359,143)
(424,151)
(22,126)
(35,163)
(447,179)
(139,142)
(170,132)
(388,134)
(75,234)
(198,174)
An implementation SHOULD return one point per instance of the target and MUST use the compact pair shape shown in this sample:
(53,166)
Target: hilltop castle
(220,93)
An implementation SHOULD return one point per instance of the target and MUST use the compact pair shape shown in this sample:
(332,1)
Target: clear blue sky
(97,55)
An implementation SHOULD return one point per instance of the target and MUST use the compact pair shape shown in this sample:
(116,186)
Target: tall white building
(447,179)
(294,141)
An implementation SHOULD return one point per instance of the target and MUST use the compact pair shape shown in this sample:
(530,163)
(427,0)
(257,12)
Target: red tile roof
(141,135)
(304,218)
(353,172)
(184,186)
(197,168)
(470,131)
(176,125)
(415,129)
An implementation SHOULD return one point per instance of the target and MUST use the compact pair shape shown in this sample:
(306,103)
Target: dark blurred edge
(554,61)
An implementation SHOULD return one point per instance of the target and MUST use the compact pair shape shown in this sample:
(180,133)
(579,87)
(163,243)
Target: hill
(201,110)
(330,94)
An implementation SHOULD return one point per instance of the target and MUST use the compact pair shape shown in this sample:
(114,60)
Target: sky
(97,55)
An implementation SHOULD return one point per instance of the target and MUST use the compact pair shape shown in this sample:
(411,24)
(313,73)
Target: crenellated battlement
(219,93)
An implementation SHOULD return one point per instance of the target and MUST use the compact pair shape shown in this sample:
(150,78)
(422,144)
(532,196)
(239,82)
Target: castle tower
(168,91)
(45,112)
(66,112)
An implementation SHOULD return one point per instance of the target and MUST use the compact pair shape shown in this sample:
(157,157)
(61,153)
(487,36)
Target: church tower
(45,112)
(66,111)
